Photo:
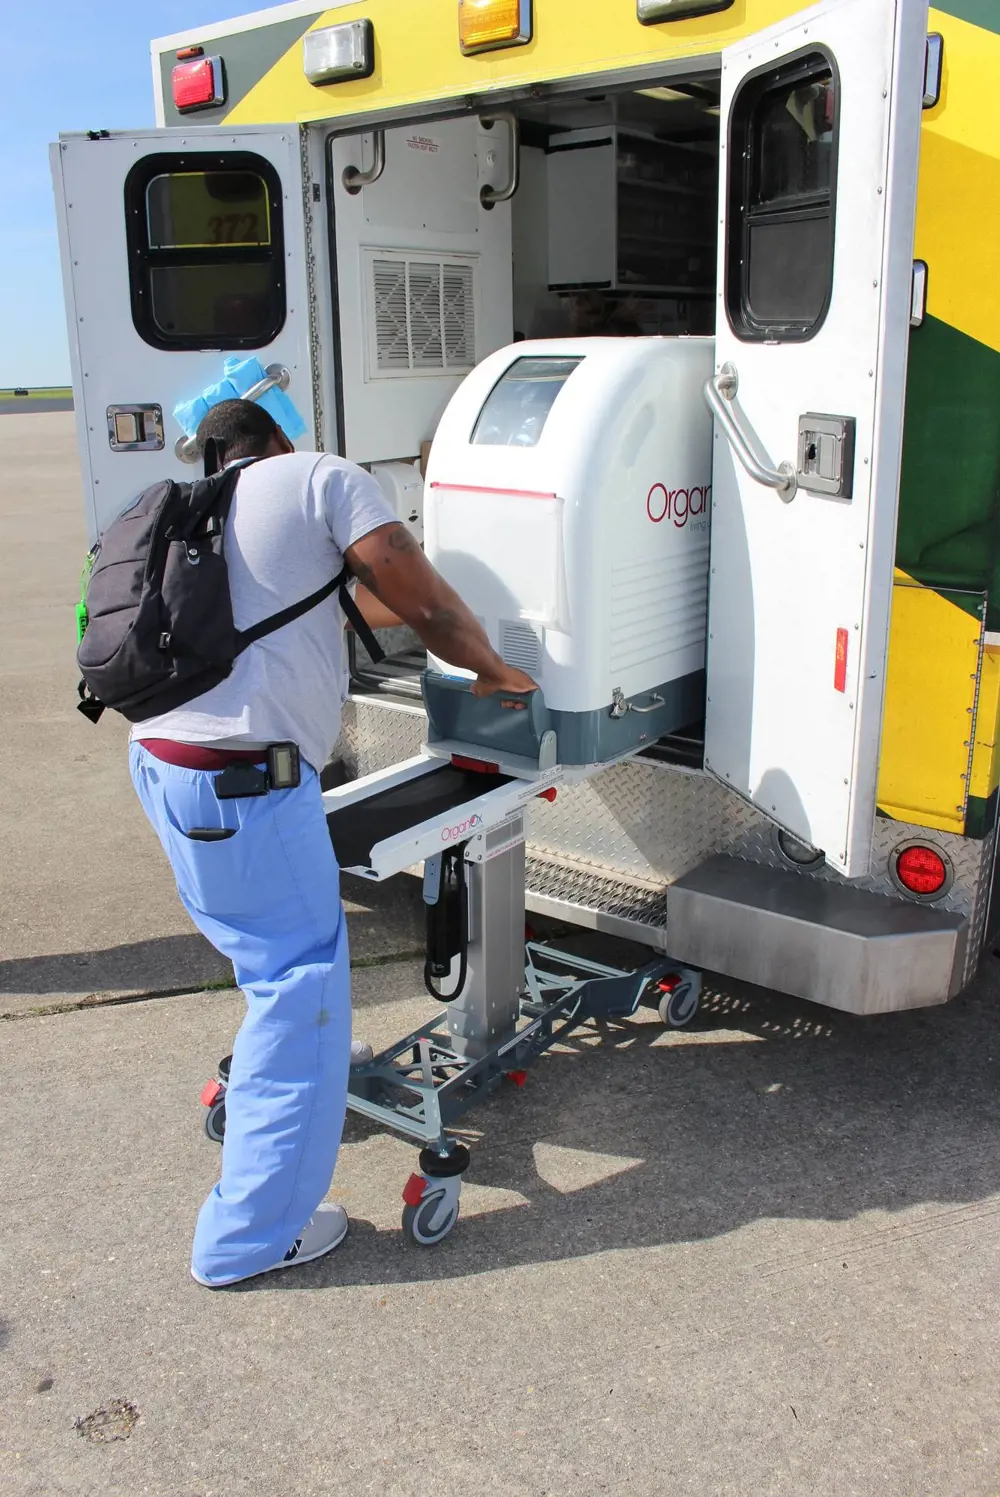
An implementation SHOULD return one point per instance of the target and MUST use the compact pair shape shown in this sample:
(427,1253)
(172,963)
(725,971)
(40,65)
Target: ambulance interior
(614,230)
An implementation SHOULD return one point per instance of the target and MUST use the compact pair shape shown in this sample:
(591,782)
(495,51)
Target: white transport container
(568,499)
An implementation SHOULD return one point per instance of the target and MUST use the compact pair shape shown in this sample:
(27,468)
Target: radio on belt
(568,499)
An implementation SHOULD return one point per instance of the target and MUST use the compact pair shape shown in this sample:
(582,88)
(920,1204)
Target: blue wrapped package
(239,376)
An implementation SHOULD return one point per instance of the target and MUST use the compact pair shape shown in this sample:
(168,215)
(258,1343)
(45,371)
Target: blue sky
(68,66)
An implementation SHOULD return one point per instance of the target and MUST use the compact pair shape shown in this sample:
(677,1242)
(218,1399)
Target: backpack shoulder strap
(247,637)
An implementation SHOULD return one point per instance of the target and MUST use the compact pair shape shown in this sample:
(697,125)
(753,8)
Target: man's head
(239,428)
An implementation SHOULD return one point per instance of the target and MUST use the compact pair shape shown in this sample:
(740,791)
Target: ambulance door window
(782,192)
(206,250)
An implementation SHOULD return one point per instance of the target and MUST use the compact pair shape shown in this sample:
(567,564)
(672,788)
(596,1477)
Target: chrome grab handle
(655,704)
(490,196)
(621,706)
(276,376)
(720,392)
(354,178)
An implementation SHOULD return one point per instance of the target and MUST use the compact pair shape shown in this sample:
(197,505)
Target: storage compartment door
(821,128)
(424,274)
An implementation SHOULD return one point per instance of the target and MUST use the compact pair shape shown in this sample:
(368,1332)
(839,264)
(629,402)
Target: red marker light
(840,667)
(921,870)
(186,52)
(197,84)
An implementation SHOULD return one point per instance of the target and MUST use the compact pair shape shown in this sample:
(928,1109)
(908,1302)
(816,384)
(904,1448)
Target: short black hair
(237,428)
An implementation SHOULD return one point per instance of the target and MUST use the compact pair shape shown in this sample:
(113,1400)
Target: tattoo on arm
(402,541)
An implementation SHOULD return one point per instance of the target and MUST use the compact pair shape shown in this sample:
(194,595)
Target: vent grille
(520,646)
(422,315)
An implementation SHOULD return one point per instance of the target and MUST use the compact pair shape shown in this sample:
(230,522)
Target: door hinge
(933,69)
(918,297)
(316,192)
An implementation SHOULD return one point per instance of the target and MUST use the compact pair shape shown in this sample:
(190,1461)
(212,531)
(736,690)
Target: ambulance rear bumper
(831,943)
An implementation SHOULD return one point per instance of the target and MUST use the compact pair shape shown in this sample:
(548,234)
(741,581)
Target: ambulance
(432,226)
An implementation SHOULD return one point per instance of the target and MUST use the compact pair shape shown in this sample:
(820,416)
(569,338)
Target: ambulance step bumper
(828,942)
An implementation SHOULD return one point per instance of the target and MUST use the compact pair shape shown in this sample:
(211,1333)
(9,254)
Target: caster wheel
(215,1121)
(421,1225)
(224,1066)
(679,1002)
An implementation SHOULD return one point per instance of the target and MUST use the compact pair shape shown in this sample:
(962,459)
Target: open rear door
(180,249)
(820,130)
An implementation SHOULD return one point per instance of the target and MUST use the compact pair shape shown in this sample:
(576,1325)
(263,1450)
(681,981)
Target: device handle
(276,377)
(720,392)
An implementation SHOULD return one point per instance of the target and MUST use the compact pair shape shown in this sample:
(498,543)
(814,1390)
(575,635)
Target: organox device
(568,501)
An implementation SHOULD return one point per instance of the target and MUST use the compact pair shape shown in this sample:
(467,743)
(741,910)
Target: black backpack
(156,620)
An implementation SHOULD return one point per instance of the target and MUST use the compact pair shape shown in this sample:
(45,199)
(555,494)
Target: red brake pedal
(413,1190)
(211,1092)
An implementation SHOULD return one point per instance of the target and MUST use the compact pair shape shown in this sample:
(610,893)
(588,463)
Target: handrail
(720,392)
(354,178)
(490,196)
(276,377)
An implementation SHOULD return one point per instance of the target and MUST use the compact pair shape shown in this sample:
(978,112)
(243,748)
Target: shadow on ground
(165,964)
(383,920)
(774,1109)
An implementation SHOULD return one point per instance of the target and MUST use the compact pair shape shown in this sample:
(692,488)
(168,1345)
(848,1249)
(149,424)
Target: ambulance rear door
(820,129)
(181,249)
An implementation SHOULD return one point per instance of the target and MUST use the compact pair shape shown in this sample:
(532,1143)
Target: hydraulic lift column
(485,1014)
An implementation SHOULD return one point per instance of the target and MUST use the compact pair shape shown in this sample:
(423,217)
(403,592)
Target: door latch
(826,455)
(135,428)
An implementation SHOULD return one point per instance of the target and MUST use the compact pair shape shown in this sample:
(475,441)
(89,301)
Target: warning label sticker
(425,143)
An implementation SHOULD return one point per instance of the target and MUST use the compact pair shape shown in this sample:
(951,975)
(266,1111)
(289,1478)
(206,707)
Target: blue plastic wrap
(239,376)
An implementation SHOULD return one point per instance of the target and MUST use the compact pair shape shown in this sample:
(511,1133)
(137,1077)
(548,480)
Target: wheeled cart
(504,1000)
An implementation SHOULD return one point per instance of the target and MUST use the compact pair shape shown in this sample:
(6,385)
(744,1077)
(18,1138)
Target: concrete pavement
(758,1258)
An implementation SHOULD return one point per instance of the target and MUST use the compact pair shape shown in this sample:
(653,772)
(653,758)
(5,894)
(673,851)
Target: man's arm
(390,564)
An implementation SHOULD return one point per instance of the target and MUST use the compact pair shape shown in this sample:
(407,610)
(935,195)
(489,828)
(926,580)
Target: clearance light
(921,870)
(653,11)
(198,84)
(336,53)
(484,25)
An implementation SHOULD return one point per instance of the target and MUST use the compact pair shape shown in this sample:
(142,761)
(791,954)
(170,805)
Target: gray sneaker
(324,1231)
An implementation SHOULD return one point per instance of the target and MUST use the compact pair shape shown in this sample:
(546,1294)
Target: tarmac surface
(24,405)
(756,1257)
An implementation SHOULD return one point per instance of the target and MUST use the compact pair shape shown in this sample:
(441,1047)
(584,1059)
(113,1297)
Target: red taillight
(921,870)
(197,84)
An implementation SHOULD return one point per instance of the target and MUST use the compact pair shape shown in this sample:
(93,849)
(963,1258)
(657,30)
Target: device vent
(422,314)
(520,646)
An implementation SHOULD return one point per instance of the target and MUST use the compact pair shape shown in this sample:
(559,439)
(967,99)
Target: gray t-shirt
(292,519)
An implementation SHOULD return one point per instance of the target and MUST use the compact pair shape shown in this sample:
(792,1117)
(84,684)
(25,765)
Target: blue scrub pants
(268,898)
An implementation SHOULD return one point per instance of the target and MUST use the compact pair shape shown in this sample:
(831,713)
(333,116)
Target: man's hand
(390,564)
(510,679)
